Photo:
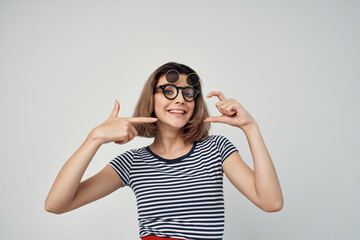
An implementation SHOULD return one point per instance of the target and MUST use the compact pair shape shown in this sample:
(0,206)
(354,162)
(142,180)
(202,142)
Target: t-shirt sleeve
(225,147)
(122,165)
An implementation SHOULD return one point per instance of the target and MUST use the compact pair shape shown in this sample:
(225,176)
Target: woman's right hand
(119,130)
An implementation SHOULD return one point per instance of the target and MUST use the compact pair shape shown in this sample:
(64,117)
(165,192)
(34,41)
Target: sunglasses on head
(173,75)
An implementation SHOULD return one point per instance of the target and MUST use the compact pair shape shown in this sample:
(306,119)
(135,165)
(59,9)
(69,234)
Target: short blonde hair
(195,130)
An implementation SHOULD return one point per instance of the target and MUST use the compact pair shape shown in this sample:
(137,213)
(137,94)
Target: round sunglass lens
(172,76)
(192,79)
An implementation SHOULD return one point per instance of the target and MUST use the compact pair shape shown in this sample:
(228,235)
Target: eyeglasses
(173,75)
(171,91)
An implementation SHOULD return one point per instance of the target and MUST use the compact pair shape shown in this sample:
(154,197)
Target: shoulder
(218,144)
(131,153)
(221,142)
(137,151)
(218,139)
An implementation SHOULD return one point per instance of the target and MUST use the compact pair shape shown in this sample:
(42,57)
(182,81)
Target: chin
(178,126)
(173,124)
(173,121)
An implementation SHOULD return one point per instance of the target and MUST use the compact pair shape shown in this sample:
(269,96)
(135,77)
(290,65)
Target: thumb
(116,109)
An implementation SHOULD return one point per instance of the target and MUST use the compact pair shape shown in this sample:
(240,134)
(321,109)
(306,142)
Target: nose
(180,98)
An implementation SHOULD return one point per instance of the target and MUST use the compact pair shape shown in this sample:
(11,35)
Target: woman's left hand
(232,112)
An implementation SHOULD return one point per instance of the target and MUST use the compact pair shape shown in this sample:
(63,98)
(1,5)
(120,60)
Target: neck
(169,141)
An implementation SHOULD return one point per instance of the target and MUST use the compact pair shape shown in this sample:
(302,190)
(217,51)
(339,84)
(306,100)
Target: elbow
(274,207)
(51,209)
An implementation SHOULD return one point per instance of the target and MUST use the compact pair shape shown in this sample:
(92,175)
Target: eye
(167,91)
(189,92)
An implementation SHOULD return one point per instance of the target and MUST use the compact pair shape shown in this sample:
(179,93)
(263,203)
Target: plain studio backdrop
(293,65)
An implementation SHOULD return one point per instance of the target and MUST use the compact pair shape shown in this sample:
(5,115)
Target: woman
(178,179)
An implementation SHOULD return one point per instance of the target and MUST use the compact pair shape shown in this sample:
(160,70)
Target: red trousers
(151,237)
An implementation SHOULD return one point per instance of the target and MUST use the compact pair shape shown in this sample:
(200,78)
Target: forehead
(181,82)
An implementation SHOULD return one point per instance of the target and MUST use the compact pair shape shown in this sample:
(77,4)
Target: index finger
(138,120)
(219,94)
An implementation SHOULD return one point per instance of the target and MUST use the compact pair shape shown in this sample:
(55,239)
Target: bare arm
(67,193)
(67,183)
(262,185)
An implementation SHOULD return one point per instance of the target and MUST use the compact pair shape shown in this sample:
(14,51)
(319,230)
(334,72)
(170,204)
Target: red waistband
(151,237)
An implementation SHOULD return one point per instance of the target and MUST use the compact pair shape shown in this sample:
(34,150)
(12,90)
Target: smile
(177,112)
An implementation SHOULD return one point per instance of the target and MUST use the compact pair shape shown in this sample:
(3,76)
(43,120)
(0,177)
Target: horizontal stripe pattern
(178,198)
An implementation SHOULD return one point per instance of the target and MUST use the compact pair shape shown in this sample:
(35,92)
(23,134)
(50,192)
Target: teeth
(176,111)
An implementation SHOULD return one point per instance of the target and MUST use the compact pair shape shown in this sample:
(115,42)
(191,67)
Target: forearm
(266,181)
(67,182)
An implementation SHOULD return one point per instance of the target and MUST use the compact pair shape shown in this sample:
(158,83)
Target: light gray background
(294,65)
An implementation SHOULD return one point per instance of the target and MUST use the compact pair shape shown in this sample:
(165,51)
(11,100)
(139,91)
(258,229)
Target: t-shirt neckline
(175,160)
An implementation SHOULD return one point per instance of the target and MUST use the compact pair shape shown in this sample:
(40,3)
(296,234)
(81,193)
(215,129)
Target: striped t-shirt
(178,198)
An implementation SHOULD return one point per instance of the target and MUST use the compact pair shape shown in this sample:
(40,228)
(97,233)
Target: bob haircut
(194,130)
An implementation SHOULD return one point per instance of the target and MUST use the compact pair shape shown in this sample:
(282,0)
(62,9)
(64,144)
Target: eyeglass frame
(162,87)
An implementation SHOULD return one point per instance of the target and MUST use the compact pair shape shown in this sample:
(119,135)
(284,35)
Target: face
(164,108)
